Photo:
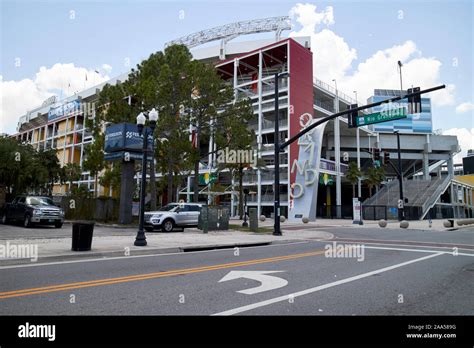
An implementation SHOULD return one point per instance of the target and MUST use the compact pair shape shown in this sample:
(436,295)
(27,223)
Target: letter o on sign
(305,119)
(300,191)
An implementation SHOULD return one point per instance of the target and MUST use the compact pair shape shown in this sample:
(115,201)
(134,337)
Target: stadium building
(312,171)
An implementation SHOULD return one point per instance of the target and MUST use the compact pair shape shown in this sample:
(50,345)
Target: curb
(85,255)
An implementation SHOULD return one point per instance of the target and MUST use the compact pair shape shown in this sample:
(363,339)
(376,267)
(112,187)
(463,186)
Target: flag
(254,85)
(194,137)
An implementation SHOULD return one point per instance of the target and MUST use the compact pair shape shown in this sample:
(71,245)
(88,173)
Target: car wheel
(168,225)
(58,225)
(27,221)
(149,229)
(4,219)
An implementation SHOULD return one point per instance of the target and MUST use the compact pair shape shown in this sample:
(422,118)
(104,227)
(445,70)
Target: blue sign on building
(64,109)
(124,137)
(413,123)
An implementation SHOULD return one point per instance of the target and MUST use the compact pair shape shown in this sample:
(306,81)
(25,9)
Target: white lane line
(420,242)
(105,258)
(403,245)
(322,287)
(419,250)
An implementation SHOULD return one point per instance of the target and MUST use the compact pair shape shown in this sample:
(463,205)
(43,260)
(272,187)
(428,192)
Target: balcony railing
(341,95)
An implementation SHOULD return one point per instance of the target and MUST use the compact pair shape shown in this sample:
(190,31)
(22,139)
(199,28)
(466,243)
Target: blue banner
(125,137)
(64,109)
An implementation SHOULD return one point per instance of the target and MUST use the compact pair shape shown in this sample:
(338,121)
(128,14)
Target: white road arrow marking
(268,282)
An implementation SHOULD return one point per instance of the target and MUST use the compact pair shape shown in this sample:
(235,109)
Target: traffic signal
(414,102)
(386,157)
(376,154)
(352,119)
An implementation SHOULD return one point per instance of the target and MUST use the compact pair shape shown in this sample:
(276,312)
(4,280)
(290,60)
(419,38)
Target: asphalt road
(423,278)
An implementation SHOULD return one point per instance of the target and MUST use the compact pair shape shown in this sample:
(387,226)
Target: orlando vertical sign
(304,155)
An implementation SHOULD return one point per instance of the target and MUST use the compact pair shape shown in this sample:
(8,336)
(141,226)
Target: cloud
(17,97)
(307,16)
(107,68)
(333,58)
(465,138)
(464,107)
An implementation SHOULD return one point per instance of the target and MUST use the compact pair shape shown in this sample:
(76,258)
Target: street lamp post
(140,239)
(245,223)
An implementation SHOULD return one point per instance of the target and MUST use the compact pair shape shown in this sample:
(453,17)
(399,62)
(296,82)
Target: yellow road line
(109,281)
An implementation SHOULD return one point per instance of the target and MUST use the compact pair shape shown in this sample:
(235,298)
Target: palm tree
(373,177)
(353,175)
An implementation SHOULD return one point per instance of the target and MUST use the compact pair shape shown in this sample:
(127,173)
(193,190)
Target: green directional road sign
(378,117)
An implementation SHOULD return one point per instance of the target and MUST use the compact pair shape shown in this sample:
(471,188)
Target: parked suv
(33,210)
(173,215)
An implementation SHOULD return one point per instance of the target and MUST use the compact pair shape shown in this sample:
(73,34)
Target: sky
(50,47)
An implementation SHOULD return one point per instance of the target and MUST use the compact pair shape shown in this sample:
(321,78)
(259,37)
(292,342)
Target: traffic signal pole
(401,211)
(276,189)
(350,111)
(354,110)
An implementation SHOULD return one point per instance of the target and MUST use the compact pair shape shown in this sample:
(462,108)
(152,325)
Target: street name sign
(379,117)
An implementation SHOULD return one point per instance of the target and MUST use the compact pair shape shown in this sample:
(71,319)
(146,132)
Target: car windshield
(169,207)
(39,201)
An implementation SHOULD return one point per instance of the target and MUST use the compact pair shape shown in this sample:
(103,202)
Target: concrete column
(450,165)
(426,167)
(126,192)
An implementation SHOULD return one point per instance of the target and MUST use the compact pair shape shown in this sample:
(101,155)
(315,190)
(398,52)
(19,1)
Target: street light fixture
(140,239)
(400,70)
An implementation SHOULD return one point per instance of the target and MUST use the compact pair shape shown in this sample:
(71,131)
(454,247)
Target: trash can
(82,235)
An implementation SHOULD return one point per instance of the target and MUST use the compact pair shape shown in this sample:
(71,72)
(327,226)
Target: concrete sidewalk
(436,225)
(54,249)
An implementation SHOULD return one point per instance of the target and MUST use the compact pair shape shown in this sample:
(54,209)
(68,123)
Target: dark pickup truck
(33,210)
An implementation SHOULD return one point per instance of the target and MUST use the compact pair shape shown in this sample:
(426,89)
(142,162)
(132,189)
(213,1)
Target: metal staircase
(422,195)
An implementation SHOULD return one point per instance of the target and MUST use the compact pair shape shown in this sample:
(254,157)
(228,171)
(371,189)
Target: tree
(234,134)
(211,109)
(184,92)
(94,162)
(373,177)
(111,177)
(353,175)
(158,82)
(71,172)
(16,165)
(24,169)
(173,92)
